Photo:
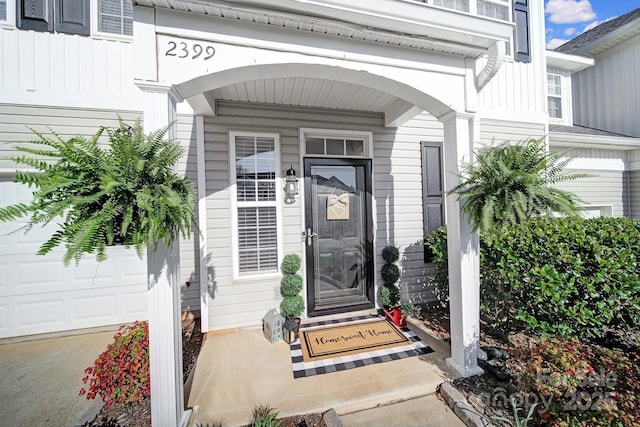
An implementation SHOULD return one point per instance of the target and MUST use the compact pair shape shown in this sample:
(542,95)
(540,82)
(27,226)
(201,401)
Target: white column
(163,267)
(463,250)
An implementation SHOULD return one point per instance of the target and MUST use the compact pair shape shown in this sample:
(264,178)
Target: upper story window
(81,17)
(115,17)
(554,95)
(255,158)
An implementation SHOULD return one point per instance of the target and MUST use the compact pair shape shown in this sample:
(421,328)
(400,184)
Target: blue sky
(567,19)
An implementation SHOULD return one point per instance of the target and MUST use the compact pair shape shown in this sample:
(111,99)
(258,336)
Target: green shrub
(265,416)
(390,274)
(292,306)
(291,263)
(389,296)
(580,384)
(291,285)
(565,276)
(121,373)
(390,254)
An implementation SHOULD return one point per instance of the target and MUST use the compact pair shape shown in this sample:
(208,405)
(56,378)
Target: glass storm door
(339,238)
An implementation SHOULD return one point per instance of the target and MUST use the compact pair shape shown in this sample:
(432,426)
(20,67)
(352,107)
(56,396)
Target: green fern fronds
(125,192)
(509,183)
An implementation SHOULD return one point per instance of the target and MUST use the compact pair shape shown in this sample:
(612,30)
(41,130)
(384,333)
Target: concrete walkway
(40,379)
(237,371)
(426,411)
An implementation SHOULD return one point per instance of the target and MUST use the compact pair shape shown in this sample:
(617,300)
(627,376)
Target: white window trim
(10,22)
(233,196)
(327,133)
(101,34)
(565,98)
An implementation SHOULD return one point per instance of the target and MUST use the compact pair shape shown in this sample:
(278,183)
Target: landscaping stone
(331,418)
(458,403)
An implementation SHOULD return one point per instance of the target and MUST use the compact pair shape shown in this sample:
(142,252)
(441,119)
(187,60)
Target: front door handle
(310,235)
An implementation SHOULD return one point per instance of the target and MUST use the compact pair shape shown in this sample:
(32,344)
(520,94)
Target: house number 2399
(193,51)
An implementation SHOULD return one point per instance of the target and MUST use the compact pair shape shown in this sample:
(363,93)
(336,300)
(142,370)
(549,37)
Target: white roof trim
(316,25)
(564,61)
(606,142)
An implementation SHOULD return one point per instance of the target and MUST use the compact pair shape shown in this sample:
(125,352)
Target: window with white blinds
(115,17)
(255,158)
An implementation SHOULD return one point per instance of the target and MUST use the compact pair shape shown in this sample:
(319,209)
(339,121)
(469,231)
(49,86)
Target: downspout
(494,62)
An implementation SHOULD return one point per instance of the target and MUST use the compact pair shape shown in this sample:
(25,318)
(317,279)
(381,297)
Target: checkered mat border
(303,369)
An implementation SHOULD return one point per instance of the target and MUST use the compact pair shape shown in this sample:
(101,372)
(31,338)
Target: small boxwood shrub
(121,373)
(292,306)
(390,254)
(579,384)
(390,274)
(564,276)
(291,263)
(389,296)
(291,284)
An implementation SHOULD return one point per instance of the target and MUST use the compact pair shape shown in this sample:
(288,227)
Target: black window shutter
(72,17)
(521,38)
(432,190)
(60,16)
(35,15)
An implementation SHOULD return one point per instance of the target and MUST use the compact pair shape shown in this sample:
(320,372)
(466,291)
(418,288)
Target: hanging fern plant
(123,193)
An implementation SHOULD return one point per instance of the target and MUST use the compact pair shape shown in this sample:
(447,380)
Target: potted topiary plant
(389,293)
(292,304)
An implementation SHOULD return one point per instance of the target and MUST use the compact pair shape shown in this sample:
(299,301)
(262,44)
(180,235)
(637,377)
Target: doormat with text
(342,344)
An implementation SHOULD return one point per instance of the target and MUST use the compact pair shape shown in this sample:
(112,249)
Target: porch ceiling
(308,92)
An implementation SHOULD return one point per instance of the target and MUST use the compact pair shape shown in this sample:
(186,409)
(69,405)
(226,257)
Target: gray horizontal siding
(15,121)
(604,188)
(503,130)
(634,185)
(398,193)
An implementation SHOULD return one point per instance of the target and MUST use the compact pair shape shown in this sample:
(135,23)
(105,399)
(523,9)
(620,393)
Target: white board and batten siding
(37,293)
(57,65)
(397,167)
(606,96)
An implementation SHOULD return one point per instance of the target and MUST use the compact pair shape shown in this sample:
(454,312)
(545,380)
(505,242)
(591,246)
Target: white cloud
(554,43)
(569,11)
(569,31)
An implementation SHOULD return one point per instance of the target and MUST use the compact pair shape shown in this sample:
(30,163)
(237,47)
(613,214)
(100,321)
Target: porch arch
(411,100)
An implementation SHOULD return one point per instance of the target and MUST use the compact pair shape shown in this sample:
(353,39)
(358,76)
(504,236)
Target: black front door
(339,238)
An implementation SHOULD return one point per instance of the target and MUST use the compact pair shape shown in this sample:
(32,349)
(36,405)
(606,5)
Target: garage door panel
(100,306)
(38,294)
(40,312)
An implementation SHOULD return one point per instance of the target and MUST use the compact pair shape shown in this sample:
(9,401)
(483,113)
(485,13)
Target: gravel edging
(459,405)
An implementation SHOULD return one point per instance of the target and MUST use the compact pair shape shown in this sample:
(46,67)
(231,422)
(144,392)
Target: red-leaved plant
(121,373)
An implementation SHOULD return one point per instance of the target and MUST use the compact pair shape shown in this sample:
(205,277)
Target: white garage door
(38,294)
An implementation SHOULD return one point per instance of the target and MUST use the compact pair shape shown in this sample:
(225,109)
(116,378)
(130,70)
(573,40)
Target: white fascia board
(407,17)
(604,142)
(467,31)
(572,63)
(134,102)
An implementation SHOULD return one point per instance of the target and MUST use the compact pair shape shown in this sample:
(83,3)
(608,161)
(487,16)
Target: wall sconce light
(291,184)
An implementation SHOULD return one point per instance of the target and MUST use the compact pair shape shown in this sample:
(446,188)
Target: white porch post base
(463,251)
(163,267)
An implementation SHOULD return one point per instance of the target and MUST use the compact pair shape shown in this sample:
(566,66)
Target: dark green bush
(291,263)
(390,254)
(390,274)
(565,276)
(292,306)
(389,296)
(291,285)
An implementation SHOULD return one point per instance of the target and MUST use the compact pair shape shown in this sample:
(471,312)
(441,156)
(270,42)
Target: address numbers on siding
(184,50)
